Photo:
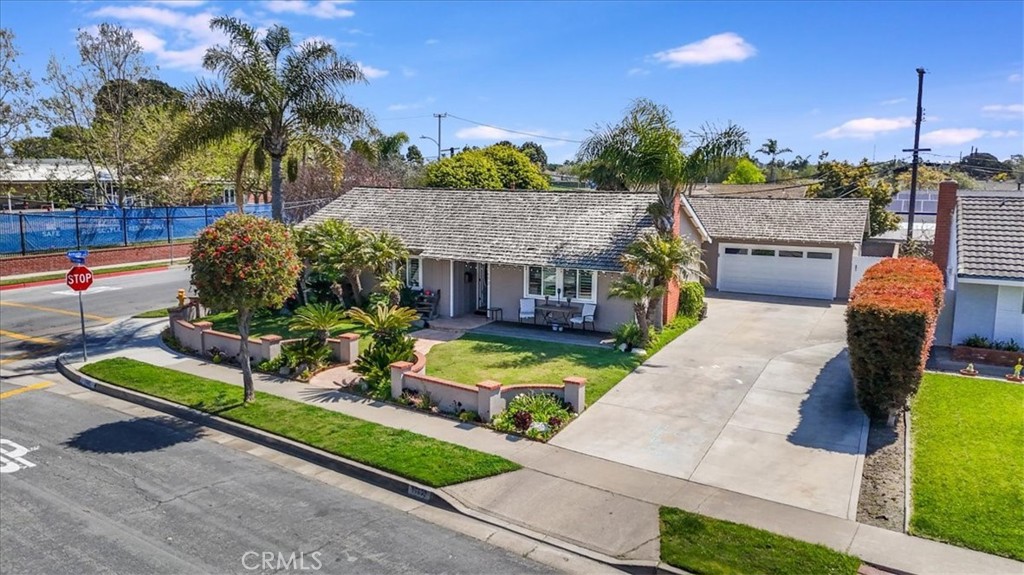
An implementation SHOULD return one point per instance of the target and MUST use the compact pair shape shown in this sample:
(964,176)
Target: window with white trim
(560,283)
(414,273)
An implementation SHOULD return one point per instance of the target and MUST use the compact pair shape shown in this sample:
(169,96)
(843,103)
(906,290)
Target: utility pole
(439,116)
(917,159)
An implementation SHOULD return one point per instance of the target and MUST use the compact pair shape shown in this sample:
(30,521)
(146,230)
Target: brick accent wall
(57,262)
(943,223)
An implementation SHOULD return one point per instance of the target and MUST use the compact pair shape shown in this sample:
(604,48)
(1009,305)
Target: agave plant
(319,319)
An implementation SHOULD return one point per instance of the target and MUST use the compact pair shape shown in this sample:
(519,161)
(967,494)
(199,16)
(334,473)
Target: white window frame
(559,285)
(419,272)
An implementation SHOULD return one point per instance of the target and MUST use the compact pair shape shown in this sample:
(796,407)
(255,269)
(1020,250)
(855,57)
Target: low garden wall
(201,337)
(984,355)
(487,398)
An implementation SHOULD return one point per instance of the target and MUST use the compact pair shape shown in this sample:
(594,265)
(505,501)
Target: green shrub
(691,299)
(308,352)
(977,341)
(627,333)
(890,325)
(526,409)
(272,365)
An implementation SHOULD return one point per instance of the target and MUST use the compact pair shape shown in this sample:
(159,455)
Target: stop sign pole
(79,278)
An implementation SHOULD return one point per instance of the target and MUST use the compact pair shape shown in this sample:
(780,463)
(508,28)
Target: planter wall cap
(575,380)
(347,336)
(401,364)
(489,384)
(271,338)
(203,325)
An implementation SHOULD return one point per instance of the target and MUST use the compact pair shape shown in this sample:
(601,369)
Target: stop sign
(79,278)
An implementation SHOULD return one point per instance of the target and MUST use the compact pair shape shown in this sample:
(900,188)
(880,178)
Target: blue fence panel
(66,230)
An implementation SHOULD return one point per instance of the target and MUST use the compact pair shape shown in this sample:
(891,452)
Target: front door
(482,271)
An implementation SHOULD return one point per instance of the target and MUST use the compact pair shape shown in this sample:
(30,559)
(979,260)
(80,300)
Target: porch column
(451,288)
(487,272)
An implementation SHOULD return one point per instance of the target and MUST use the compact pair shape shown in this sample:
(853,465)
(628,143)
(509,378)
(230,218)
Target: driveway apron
(756,399)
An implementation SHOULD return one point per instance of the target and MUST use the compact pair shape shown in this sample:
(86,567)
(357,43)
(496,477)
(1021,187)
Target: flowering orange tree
(243,263)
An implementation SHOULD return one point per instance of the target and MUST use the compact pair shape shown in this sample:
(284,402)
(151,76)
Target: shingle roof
(566,229)
(803,220)
(990,237)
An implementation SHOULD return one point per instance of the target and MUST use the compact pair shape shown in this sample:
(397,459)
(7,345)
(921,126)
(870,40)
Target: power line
(515,131)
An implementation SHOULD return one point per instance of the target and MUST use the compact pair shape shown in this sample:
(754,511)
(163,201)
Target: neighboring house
(979,243)
(789,247)
(490,248)
(21,178)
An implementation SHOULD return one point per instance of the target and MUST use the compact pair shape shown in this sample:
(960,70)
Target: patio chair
(586,316)
(528,309)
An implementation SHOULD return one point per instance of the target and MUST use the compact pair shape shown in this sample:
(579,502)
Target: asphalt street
(87,490)
(36,321)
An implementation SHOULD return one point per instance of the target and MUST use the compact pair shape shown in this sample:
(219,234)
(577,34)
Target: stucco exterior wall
(975,311)
(437,276)
(846,253)
(1009,320)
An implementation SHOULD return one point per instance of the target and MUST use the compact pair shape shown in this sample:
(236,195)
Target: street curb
(96,276)
(434,497)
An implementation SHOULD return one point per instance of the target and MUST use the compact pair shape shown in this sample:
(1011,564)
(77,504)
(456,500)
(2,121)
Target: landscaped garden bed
(968,461)
(426,460)
(700,544)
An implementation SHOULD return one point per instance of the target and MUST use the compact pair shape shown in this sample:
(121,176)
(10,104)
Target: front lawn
(706,546)
(268,323)
(968,463)
(512,361)
(424,459)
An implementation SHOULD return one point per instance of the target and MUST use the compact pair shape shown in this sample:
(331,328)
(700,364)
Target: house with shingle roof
(979,243)
(485,249)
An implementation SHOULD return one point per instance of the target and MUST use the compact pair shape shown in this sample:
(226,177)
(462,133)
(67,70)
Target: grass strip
(153,313)
(429,461)
(707,546)
(968,461)
(95,272)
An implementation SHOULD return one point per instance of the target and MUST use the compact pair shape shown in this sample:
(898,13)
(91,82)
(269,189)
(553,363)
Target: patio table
(558,313)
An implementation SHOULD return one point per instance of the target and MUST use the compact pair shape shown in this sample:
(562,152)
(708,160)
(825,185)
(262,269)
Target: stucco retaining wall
(201,336)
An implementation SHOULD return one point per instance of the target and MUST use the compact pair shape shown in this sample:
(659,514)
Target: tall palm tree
(644,152)
(771,148)
(381,148)
(274,92)
(643,292)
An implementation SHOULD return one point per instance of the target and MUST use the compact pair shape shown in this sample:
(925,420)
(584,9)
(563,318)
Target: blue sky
(815,76)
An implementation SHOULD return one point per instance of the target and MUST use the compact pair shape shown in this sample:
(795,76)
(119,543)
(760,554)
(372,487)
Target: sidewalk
(594,503)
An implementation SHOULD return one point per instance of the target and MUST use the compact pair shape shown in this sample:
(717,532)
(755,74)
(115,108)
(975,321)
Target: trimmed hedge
(691,299)
(890,325)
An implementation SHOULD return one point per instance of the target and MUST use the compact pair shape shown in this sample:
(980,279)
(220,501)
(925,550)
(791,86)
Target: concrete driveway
(756,399)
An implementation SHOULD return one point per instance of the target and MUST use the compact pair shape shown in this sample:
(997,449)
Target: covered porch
(498,292)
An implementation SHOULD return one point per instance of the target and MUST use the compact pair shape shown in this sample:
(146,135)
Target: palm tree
(339,251)
(382,148)
(385,323)
(644,152)
(319,319)
(771,148)
(274,92)
(642,291)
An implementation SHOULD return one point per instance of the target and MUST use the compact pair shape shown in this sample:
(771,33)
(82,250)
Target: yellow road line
(23,337)
(55,310)
(34,386)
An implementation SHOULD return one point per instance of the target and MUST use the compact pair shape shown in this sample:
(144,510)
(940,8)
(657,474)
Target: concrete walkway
(598,504)
(756,399)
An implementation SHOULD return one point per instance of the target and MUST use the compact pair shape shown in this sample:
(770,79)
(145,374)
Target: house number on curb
(419,493)
(12,456)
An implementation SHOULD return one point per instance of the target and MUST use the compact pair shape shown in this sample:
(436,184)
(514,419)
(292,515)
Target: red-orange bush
(890,326)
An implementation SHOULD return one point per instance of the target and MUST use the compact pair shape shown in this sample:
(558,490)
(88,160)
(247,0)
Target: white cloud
(495,134)
(323,9)
(1003,134)
(951,136)
(179,3)
(638,72)
(431,41)
(1003,110)
(371,72)
(893,101)
(1014,78)
(176,39)
(727,47)
(411,106)
(866,128)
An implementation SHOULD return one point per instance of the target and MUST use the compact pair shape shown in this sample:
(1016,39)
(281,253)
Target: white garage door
(797,271)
